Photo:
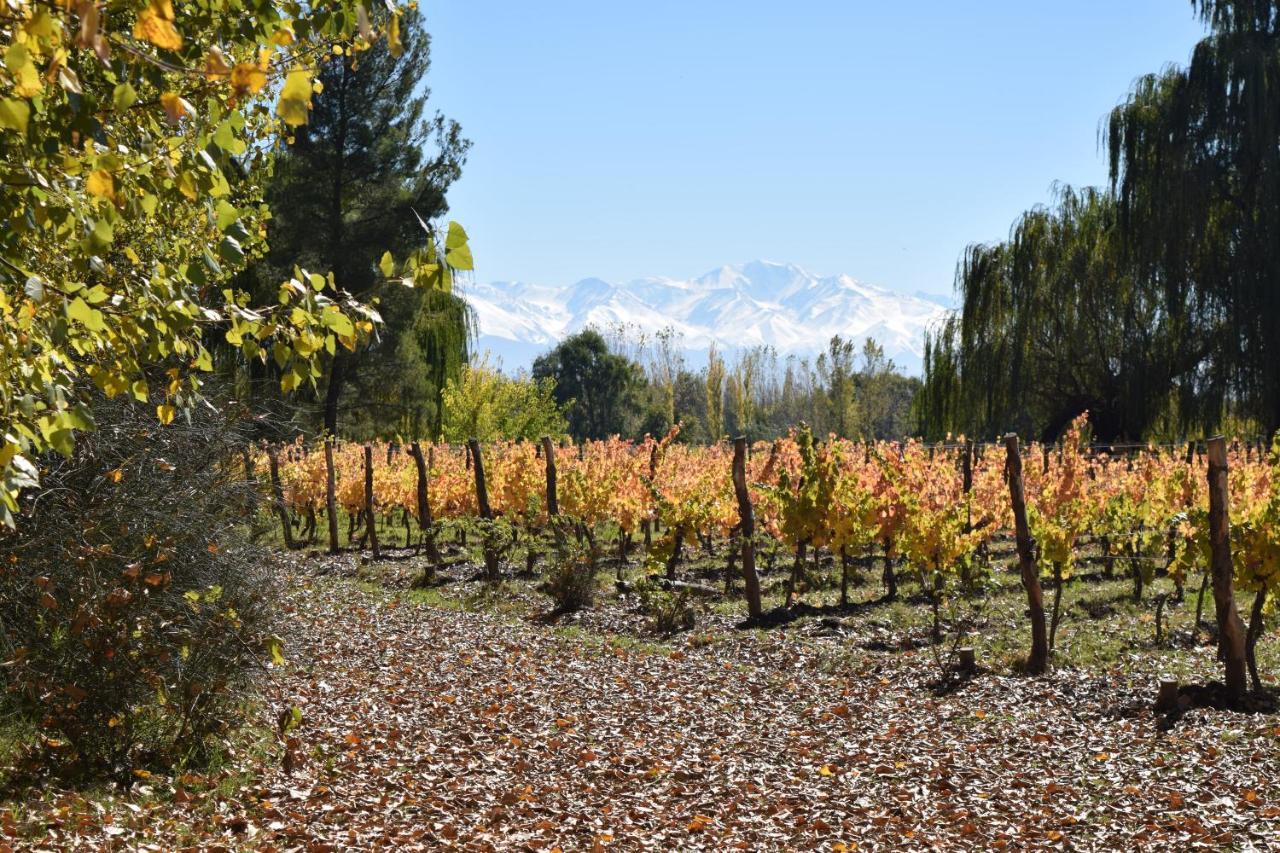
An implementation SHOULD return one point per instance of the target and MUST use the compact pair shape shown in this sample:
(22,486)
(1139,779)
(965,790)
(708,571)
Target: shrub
(571,580)
(668,612)
(132,607)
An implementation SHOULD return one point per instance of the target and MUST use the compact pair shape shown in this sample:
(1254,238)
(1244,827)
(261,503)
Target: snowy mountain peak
(735,306)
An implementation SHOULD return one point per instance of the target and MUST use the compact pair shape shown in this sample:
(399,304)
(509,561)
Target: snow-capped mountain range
(736,306)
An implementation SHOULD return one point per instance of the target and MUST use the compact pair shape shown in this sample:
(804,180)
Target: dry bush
(571,579)
(132,607)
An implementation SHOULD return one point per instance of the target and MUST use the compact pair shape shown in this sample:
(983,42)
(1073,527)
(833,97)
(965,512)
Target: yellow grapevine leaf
(394,44)
(155,25)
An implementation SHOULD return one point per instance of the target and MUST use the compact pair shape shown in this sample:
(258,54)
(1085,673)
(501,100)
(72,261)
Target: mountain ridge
(736,306)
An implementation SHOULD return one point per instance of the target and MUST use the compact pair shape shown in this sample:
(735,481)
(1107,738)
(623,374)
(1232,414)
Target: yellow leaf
(295,98)
(247,77)
(176,107)
(393,37)
(166,413)
(22,68)
(155,25)
(283,36)
(100,184)
(14,114)
(825,770)
(215,64)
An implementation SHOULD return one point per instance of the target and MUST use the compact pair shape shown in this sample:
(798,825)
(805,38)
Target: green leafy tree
(134,137)
(714,376)
(1194,166)
(1055,321)
(836,366)
(598,387)
(359,182)
(484,404)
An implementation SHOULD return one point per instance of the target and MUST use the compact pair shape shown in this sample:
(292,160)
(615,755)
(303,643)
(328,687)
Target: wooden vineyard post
(424,505)
(277,497)
(746,527)
(1230,627)
(425,523)
(370,518)
(1038,660)
(330,498)
(486,514)
(549,451)
(967,476)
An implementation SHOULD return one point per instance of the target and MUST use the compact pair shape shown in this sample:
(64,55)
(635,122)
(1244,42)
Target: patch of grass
(1101,630)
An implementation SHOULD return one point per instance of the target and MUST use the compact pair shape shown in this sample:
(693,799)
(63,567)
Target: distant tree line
(1154,302)
(623,382)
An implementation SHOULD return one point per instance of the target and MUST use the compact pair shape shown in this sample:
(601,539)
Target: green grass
(1102,629)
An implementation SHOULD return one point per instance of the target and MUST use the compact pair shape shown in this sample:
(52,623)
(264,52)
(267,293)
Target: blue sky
(623,139)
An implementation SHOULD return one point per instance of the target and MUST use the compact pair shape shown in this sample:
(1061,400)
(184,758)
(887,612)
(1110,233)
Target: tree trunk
(553,501)
(746,528)
(370,517)
(1057,605)
(1135,567)
(482,500)
(1251,640)
(844,577)
(331,501)
(1038,660)
(1230,628)
(888,576)
(425,523)
(676,546)
(797,569)
(730,564)
(277,498)
(1204,584)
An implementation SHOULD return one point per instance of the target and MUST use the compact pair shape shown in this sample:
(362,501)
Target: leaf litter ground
(430,729)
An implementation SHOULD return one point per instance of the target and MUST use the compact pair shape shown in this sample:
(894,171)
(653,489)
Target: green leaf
(227,214)
(231,250)
(387,265)
(457,252)
(123,97)
(226,139)
(339,323)
(80,312)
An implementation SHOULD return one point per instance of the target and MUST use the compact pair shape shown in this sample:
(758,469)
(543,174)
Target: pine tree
(358,181)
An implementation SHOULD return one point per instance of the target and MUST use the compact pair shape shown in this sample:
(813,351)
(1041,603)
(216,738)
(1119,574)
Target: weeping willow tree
(1195,161)
(1154,304)
(396,386)
(1055,321)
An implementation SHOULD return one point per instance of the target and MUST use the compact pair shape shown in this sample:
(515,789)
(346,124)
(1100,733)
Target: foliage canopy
(133,137)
